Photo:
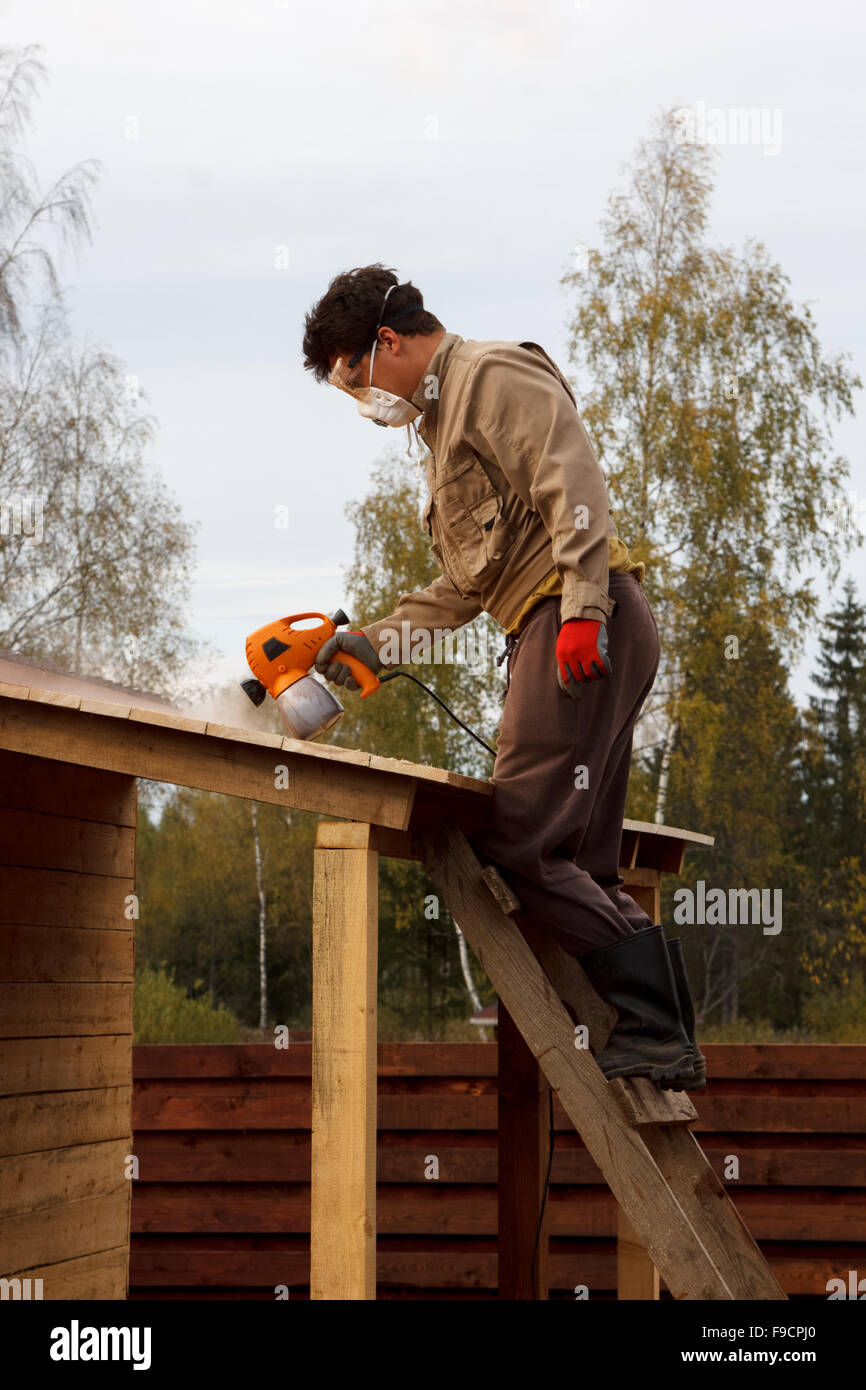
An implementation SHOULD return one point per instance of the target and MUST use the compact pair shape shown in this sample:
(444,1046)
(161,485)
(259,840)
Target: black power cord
(432,693)
(471,734)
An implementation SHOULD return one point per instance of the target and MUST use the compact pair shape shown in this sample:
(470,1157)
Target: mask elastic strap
(376,339)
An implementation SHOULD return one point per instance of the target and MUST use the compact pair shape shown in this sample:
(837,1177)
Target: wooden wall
(222,1206)
(67,851)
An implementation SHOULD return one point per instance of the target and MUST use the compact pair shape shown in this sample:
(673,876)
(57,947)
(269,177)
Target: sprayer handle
(368,681)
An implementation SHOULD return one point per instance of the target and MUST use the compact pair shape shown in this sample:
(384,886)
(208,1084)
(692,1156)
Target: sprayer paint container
(308,709)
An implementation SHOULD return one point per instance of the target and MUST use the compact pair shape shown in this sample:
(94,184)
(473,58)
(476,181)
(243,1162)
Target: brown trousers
(561,776)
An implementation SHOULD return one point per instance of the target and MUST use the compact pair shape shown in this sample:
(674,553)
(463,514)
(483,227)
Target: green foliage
(196,881)
(164,1012)
(838,1015)
(711,404)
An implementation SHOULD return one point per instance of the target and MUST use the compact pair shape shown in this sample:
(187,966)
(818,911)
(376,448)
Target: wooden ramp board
(666,1188)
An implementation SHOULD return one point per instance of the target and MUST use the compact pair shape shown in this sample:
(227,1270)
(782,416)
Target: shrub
(164,1013)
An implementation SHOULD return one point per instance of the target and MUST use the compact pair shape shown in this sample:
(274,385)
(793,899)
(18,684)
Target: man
(520,527)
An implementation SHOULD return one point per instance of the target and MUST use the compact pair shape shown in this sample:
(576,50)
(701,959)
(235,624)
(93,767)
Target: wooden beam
(673,1237)
(193,758)
(524,1151)
(636,1275)
(343,1171)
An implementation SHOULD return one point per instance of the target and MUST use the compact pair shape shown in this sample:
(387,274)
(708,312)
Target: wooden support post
(636,1275)
(524,1149)
(645,886)
(343,1176)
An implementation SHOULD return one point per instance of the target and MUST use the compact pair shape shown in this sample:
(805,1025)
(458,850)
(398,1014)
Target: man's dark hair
(345,318)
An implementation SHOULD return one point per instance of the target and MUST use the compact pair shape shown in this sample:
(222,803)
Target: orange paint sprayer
(280,656)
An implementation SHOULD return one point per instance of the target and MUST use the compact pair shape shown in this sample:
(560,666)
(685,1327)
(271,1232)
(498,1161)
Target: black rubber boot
(635,975)
(687,1009)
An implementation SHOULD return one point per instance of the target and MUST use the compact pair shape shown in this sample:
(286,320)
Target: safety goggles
(349,379)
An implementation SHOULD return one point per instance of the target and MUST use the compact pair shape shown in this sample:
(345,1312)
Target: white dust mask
(384,408)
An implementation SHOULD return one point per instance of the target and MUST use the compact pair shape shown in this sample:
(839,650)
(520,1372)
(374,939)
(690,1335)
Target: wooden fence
(221,1207)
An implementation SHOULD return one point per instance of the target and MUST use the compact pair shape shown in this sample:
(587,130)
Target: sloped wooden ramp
(635,1132)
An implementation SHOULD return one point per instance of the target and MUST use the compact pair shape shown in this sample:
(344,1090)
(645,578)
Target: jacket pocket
(468,512)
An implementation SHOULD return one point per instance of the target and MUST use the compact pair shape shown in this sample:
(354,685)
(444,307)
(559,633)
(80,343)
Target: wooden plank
(33,1122)
(57,1176)
(442,1272)
(639,878)
(61,955)
(229,1156)
(417,1210)
(63,1064)
(44,683)
(395,844)
(165,754)
(170,1106)
(286,1104)
(63,789)
(263,1155)
(41,841)
(812,1062)
(787,1061)
(343,1190)
(667,1232)
(57,898)
(65,1232)
(655,831)
(636,1275)
(782,1114)
(523,1156)
(192,1061)
(102,1275)
(154,1265)
(35,1010)
(125,709)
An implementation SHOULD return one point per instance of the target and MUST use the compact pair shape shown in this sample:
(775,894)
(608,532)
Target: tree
(96,567)
(95,557)
(832,783)
(710,404)
(25,209)
(840,716)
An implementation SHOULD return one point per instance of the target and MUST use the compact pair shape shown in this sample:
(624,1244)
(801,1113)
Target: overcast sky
(468,144)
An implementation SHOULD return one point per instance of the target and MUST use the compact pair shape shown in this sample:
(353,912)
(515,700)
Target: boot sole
(672,1073)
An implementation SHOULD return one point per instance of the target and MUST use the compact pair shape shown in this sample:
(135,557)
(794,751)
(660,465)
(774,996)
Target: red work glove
(581,654)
